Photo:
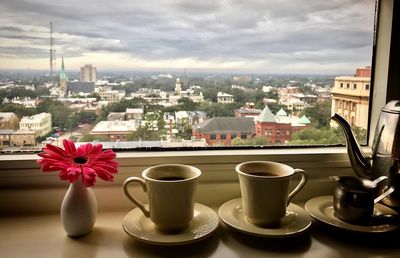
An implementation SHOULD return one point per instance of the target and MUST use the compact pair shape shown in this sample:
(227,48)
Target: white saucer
(321,209)
(295,221)
(204,222)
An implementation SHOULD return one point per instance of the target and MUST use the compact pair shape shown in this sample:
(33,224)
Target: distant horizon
(274,37)
(155,71)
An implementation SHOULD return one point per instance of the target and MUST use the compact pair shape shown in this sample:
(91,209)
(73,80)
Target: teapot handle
(380,197)
(379,179)
(385,194)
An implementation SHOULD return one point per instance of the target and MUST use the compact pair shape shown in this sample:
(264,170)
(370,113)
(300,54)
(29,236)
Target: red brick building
(280,127)
(221,130)
(363,72)
(276,128)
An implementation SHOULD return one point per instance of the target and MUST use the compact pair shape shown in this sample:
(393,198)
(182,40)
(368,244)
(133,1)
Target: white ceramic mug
(171,190)
(265,193)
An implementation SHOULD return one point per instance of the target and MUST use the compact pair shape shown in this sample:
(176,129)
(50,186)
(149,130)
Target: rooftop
(6,116)
(266,116)
(226,125)
(29,119)
(115,126)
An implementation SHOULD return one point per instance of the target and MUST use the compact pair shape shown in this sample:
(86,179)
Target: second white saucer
(296,221)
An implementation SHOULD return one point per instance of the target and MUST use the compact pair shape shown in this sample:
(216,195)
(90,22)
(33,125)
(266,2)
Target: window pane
(186,72)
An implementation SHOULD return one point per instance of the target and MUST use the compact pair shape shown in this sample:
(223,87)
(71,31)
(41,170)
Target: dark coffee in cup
(171,178)
(262,174)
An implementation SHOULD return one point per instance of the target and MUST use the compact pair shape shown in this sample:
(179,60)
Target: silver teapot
(385,158)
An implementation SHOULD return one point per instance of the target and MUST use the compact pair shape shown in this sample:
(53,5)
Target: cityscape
(179,110)
(184,74)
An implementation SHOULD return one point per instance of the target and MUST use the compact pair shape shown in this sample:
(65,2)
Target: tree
(218,109)
(81,117)
(94,95)
(143,133)
(325,135)
(319,114)
(254,141)
(18,109)
(314,136)
(91,138)
(238,142)
(187,104)
(61,114)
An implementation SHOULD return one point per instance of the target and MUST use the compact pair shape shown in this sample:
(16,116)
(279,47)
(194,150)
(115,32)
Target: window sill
(43,236)
(24,189)
(36,198)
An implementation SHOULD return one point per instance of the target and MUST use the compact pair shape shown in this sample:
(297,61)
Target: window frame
(13,168)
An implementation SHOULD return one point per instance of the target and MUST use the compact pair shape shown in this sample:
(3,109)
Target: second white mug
(265,193)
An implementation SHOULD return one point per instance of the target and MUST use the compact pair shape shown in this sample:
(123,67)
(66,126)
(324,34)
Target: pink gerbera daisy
(88,160)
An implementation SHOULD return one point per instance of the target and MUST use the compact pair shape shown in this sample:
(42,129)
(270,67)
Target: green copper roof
(62,72)
(304,120)
(281,112)
(266,115)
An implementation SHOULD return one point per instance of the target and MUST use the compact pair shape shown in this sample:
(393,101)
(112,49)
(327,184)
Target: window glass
(184,72)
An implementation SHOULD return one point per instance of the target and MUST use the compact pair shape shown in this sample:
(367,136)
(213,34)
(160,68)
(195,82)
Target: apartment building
(88,73)
(24,138)
(40,123)
(350,96)
(225,98)
(115,130)
(9,120)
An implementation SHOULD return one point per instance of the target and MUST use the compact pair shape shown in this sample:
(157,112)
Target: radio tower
(52,53)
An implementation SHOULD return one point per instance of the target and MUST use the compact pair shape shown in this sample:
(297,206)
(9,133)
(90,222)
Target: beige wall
(23,139)
(12,123)
(350,97)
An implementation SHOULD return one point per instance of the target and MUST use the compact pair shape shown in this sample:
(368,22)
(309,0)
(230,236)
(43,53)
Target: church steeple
(62,72)
(63,78)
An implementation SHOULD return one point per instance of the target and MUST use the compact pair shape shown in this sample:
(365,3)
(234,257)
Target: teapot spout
(358,160)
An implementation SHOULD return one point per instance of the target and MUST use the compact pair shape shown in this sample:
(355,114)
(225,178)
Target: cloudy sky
(268,36)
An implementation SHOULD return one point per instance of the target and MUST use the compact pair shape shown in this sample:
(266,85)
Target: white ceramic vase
(78,209)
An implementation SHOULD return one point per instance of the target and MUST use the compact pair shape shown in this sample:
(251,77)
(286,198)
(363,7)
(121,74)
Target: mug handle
(303,181)
(141,182)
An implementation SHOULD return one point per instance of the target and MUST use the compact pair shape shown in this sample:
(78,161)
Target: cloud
(197,33)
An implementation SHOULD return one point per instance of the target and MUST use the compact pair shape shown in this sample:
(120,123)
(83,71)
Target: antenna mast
(52,52)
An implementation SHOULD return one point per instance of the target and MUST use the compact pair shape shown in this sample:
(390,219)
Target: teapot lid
(392,106)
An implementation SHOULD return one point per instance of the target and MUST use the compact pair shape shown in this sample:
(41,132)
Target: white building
(294,105)
(225,98)
(111,96)
(40,123)
(115,130)
(350,97)
(134,113)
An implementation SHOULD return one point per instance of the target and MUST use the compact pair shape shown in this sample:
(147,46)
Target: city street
(59,140)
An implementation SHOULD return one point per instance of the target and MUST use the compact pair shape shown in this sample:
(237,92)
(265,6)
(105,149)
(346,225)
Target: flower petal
(88,176)
(54,150)
(69,146)
(73,173)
